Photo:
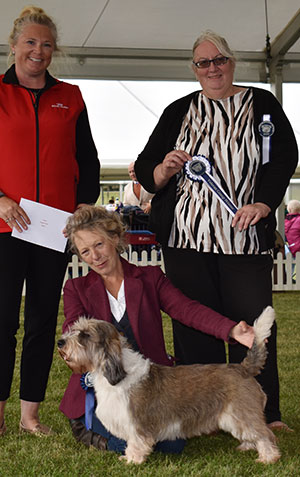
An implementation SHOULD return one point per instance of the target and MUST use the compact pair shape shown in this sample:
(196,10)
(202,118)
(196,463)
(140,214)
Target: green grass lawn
(207,456)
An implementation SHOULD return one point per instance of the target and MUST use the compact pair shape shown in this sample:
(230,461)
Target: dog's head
(94,345)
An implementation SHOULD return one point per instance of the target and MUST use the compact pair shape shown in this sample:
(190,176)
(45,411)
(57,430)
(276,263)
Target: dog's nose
(61,343)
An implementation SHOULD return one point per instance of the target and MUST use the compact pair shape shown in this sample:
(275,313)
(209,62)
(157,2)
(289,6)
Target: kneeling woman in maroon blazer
(132,298)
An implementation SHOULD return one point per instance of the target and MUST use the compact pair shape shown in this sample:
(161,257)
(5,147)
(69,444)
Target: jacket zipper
(35,103)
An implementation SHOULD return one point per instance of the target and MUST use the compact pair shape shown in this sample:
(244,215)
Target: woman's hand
(147,208)
(172,163)
(243,333)
(250,215)
(13,214)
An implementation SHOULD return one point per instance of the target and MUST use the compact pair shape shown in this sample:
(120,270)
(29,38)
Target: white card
(47,224)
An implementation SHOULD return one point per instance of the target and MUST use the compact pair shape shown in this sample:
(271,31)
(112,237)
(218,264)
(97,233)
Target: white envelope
(47,224)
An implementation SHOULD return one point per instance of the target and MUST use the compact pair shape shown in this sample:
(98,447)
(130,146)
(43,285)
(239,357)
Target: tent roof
(152,39)
(142,39)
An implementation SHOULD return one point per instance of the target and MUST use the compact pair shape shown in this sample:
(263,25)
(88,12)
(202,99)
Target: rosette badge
(266,128)
(197,168)
(86,380)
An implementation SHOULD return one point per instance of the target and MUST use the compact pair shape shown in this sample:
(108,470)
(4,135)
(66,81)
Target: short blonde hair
(96,218)
(219,43)
(29,15)
(293,207)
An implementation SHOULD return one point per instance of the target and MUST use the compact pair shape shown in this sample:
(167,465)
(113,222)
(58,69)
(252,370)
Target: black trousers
(43,271)
(237,286)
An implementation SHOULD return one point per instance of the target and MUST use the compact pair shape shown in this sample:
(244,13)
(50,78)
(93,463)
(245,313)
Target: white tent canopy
(152,39)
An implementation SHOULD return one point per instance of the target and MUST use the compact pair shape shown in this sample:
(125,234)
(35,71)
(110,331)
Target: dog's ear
(113,369)
(83,338)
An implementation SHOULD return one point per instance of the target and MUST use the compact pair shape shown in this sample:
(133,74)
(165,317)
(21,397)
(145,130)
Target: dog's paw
(268,460)
(132,459)
(123,458)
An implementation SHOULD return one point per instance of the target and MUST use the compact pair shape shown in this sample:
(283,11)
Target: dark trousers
(43,271)
(237,286)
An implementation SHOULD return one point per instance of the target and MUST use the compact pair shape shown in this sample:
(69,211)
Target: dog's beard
(76,365)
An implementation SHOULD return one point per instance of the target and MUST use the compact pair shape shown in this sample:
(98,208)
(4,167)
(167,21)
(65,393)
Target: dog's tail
(257,355)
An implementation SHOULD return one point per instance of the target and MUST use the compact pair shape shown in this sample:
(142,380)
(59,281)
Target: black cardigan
(271,180)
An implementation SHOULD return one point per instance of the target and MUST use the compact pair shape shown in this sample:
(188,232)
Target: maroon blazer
(147,292)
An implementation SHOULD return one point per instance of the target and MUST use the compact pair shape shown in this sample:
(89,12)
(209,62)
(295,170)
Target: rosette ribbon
(266,129)
(199,169)
(86,382)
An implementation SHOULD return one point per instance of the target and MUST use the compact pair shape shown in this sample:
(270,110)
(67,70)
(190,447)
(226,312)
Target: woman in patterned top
(219,256)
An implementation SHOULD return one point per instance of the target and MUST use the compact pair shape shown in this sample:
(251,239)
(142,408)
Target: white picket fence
(281,275)
(282,270)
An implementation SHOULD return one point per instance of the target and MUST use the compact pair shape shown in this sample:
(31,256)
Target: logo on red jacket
(59,105)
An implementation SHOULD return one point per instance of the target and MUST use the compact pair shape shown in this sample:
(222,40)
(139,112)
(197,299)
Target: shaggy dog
(143,403)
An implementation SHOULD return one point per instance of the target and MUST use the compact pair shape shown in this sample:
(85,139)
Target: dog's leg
(267,449)
(264,441)
(137,450)
(252,434)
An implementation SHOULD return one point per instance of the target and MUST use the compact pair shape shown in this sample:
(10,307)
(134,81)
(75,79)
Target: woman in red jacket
(131,298)
(48,156)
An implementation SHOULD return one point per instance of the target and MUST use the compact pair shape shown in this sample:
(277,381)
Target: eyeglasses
(221,60)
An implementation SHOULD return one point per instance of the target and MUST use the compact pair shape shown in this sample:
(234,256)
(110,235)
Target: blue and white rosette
(199,169)
(86,382)
(266,129)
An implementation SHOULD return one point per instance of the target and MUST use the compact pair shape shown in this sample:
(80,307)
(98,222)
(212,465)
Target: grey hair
(219,42)
(293,207)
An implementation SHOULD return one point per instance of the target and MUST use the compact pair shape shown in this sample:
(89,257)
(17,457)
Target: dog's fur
(143,403)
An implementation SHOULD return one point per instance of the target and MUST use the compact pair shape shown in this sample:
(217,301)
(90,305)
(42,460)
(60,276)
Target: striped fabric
(223,131)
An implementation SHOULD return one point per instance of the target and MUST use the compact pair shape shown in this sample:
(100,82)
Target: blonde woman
(47,155)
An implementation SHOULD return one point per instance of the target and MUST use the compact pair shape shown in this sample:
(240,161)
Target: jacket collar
(292,216)
(10,77)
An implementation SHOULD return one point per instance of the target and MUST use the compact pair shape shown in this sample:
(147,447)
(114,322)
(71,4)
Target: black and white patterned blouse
(223,131)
